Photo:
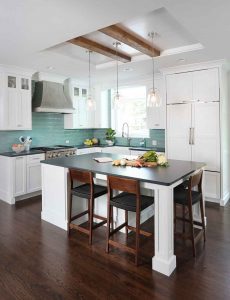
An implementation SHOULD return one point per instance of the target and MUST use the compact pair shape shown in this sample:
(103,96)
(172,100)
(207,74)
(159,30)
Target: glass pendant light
(153,98)
(117,96)
(91,104)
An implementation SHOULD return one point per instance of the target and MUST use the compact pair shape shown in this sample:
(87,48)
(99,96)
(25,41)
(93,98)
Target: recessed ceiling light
(50,68)
(127,69)
(181,60)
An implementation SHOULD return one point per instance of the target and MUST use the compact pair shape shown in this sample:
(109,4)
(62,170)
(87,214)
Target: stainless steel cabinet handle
(193,136)
(190,136)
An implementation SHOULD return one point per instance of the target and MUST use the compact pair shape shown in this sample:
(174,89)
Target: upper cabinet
(179,87)
(15,101)
(82,118)
(156,116)
(202,85)
(206,85)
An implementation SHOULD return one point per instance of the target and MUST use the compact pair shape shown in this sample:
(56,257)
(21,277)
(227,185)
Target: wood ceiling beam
(130,39)
(96,47)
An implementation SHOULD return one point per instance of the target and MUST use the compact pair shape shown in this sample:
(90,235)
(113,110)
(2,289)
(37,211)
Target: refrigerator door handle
(190,136)
(193,136)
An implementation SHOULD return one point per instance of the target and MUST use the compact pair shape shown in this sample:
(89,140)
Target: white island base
(55,199)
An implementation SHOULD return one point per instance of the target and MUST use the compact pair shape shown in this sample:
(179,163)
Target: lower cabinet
(116,150)
(22,176)
(88,150)
(212,186)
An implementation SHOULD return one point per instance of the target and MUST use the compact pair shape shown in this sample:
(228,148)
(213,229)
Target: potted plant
(110,136)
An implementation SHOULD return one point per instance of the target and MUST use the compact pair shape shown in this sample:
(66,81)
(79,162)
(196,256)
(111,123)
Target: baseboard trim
(225,199)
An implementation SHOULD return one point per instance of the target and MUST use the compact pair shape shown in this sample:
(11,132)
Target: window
(132,111)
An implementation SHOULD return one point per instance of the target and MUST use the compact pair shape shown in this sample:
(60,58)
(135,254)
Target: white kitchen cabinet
(15,101)
(178,131)
(19,174)
(88,150)
(82,118)
(34,173)
(22,177)
(198,85)
(193,133)
(156,116)
(116,150)
(179,87)
(206,85)
(141,152)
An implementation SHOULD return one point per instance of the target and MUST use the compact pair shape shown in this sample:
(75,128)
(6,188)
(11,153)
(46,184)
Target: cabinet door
(25,110)
(206,141)
(178,131)
(212,185)
(179,87)
(33,178)
(19,103)
(19,173)
(206,85)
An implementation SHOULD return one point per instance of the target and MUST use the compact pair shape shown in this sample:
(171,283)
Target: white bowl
(18,149)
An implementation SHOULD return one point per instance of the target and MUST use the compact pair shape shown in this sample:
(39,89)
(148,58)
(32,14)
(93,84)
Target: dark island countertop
(159,175)
(23,153)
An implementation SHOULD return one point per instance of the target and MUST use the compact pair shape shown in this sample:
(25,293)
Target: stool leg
(137,235)
(108,226)
(69,214)
(192,229)
(112,225)
(91,211)
(183,208)
(202,218)
(126,221)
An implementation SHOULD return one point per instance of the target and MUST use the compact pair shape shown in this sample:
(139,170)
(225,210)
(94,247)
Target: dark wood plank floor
(38,261)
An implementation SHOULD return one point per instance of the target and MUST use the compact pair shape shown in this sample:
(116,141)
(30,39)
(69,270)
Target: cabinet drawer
(35,158)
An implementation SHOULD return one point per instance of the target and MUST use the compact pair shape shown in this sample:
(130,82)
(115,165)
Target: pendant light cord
(117,65)
(152,34)
(89,74)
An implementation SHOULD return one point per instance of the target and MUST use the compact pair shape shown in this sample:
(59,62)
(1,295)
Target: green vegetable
(149,156)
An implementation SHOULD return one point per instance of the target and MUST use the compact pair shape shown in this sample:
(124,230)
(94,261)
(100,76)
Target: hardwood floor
(39,261)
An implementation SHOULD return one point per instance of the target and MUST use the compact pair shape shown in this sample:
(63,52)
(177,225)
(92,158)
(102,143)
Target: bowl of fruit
(88,142)
(18,148)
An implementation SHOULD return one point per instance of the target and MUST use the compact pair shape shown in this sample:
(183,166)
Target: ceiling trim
(96,47)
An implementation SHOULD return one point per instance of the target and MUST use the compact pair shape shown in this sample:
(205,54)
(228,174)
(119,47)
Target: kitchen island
(56,187)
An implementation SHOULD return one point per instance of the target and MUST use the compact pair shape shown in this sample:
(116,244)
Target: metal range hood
(49,97)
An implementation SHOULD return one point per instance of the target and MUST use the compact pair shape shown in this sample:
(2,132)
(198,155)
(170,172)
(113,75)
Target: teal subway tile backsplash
(48,129)
(155,134)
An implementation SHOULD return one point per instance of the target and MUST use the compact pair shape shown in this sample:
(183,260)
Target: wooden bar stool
(88,190)
(185,196)
(129,200)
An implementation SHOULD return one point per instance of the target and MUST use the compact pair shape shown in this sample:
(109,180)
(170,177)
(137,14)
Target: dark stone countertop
(23,153)
(159,175)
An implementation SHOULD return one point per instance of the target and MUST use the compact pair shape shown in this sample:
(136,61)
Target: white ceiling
(33,33)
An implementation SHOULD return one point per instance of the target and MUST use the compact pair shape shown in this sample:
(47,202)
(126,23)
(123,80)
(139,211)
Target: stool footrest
(79,215)
(118,228)
(79,228)
(142,232)
(100,217)
(99,224)
(122,246)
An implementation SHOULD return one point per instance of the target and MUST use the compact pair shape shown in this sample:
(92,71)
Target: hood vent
(49,97)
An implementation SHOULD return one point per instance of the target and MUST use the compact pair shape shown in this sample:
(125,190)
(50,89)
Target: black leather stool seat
(83,191)
(127,201)
(180,195)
